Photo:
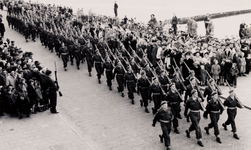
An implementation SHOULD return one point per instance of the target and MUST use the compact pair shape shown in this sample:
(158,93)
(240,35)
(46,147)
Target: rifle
(182,84)
(56,80)
(214,82)
(179,72)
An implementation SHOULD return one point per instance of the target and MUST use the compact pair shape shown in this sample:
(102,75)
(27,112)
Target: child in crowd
(232,79)
(215,70)
(242,64)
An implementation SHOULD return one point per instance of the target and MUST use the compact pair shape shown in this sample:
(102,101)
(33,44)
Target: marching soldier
(143,88)
(119,71)
(88,53)
(210,89)
(214,108)
(155,91)
(97,58)
(194,105)
(130,82)
(77,53)
(174,101)
(163,79)
(232,102)
(164,116)
(63,52)
(108,66)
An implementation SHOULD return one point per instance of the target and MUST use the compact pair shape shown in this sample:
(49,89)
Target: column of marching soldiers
(124,55)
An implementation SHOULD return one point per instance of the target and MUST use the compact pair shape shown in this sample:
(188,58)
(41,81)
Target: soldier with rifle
(130,82)
(143,89)
(119,71)
(98,60)
(232,102)
(77,52)
(156,92)
(195,105)
(174,99)
(108,66)
(64,53)
(88,53)
(214,108)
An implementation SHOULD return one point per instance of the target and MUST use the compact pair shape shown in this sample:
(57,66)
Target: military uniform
(88,53)
(63,51)
(97,58)
(143,87)
(164,116)
(130,81)
(214,109)
(155,91)
(108,66)
(119,72)
(232,104)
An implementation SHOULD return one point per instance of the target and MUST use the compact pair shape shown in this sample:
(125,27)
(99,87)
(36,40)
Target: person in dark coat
(108,66)
(130,80)
(174,24)
(174,101)
(116,9)
(164,116)
(194,105)
(97,58)
(119,71)
(155,91)
(77,53)
(88,53)
(232,102)
(63,52)
(2,28)
(215,109)
(210,89)
(143,89)
(52,89)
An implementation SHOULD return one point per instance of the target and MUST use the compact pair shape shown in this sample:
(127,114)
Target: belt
(164,121)
(231,108)
(194,110)
(64,53)
(120,74)
(173,102)
(130,81)
(108,69)
(97,61)
(156,93)
(215,111)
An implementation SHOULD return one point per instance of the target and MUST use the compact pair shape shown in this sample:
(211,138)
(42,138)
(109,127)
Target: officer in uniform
(232,102)
(194,105)
(174,101)
(108,66)
(143,89)
(155,91)
(64,52)
(130,82)
(214,108)
(119,71)
(164,116)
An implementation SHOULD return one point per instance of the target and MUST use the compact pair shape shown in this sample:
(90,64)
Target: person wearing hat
(108,66)
(52,92)
(119,72)
(64,53)
(214,108)
(98,60)
(174,101)
(187,62)
(190,87)
(164,116)
(143,89)
(156,94)
(77,52)
(231,103)
(148,71)
(193,103)
(130,82)
(164,82)
(210,89)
